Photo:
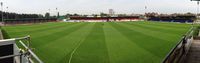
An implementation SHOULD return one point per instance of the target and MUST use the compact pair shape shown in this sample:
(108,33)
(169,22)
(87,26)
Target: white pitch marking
(80,42)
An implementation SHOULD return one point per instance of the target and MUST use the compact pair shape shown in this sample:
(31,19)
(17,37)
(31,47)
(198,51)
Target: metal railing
(24,54)
(178,53)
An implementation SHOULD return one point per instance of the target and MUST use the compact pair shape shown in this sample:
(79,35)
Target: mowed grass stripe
(178,26)
(68,58)
(27,27)
(54,30)
(172,25)
(44,28)
(161,34)
(64,46)
(122,50)
(51,37)
(93,49)
(145,41)
(30,25)
(37,32)
(160,28)
(101,42)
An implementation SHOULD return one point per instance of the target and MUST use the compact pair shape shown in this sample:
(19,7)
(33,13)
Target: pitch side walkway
(1,35)
(193,55)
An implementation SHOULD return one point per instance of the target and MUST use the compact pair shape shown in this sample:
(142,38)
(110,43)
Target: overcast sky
(97,6)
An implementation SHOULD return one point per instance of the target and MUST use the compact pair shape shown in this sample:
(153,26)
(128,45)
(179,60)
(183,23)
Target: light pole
(2,11)
(197,9)
(145,10)
(145,7)
(57,12)
(7,13)
(49,13)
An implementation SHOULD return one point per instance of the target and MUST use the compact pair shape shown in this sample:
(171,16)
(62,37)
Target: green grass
(113,42)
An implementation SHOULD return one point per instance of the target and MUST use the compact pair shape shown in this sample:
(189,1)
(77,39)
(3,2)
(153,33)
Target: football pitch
(109,42)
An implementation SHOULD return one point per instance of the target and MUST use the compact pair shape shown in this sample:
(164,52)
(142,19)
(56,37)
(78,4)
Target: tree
(95,15)
(104,14)
(40,16)
(47,15)
(68,15)
(75,14)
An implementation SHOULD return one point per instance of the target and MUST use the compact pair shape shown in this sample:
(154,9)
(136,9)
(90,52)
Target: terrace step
(193,55)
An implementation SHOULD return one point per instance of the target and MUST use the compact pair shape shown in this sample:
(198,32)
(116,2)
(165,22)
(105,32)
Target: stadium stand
(181,19)
(28,20)
(125,18)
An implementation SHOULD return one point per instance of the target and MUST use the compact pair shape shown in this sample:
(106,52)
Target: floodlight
(197,9)
(2,12)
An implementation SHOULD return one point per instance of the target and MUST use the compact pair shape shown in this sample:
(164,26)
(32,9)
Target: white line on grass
(80,42)
(71,55)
